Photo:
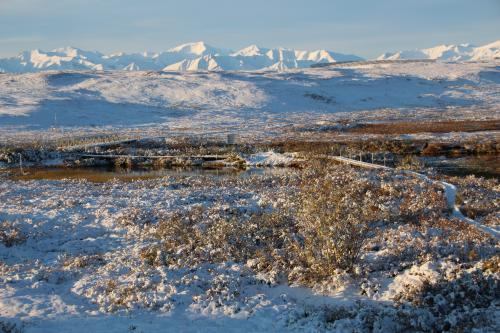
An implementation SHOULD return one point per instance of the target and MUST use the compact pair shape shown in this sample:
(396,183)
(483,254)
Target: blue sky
(366,28)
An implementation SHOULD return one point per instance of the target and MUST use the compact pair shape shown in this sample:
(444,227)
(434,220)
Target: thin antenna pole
(21,164)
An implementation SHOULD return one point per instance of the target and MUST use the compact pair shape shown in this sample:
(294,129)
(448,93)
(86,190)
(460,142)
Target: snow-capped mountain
(186,57)
(256,58)
(202,57)
(462,52)
(68,58)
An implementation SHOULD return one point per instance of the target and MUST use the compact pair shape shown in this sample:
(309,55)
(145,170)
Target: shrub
(332,222)
(459,299)
(10,235)
(83,261)
(411,162)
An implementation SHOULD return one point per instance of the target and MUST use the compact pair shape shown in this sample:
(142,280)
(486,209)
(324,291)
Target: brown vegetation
(415,127)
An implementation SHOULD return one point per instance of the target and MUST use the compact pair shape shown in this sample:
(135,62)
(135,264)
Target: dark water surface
(482,165)
(102,175)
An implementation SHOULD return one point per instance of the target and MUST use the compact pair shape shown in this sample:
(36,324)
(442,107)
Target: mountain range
(461,52)
(202,57)
(187,57)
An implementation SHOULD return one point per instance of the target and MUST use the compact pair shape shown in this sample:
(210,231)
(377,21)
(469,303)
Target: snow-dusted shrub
(332,221)
(403,245)
(123,162)
(152,255)
(478,197)
(492,219)
(422,202)
(83,261)
(7,157)
(189,240)
(492,265)
(362,317)
(135,216)
(235,160)
(458,298)
(223,291)
(11,235)
(181,239)
(411,162)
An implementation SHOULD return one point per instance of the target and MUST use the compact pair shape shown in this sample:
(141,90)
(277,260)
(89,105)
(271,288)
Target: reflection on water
(102,175)
(484,165)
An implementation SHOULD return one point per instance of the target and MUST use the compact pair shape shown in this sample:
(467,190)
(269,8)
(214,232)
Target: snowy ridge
(253,99)
(187,57)
(461,52)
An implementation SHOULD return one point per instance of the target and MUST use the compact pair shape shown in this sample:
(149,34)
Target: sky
(366,28)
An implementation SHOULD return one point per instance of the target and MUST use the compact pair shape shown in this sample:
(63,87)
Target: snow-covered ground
(81,256)
(241,100)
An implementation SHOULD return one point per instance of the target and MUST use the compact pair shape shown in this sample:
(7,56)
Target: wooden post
(21,164)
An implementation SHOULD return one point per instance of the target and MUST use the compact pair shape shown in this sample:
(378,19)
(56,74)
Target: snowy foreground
(245,101)
(206,254)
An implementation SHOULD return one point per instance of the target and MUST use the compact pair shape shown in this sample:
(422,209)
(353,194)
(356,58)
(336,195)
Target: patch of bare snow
(270,158)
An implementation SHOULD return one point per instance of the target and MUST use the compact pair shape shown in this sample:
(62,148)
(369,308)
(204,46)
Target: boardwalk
(449,189)
(361,164)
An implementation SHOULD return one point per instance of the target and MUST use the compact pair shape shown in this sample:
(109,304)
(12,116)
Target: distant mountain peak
(250,51)
(197,48)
